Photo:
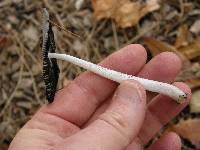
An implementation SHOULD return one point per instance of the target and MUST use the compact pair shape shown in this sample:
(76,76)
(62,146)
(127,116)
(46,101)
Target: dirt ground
(169,28)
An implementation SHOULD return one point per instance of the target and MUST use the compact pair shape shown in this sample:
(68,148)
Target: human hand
(93,113)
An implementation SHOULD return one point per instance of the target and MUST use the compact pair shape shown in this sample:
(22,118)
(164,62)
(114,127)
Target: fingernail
(130,90)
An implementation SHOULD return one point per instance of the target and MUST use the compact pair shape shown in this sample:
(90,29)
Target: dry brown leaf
(193,83)
(157,47)
(192,50)
(181,39)
(4,41)
(124,12)
(190,130)
(195,28)
(195,102)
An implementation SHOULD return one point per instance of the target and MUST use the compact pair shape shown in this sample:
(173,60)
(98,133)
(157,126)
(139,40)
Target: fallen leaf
(156,47)
(30,36)
(125,12)
(193,83)
(78,4)
(181,39)
(195,28)
(192,50)
(25,83)
(77,45)
(4,41)
(189,129)
(190,75)
(195,102)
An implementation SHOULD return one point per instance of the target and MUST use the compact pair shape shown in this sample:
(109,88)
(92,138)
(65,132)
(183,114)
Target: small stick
(62,28)
(150,85)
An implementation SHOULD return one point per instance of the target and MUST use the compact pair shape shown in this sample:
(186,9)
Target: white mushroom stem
(150,85)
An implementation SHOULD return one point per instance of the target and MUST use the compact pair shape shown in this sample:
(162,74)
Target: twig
(14,91)
(52,10)
(35,90)
(33,58)
(28,68)
(115,35)
(62,28)
(150,85)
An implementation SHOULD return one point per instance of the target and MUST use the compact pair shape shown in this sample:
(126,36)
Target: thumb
(119,124)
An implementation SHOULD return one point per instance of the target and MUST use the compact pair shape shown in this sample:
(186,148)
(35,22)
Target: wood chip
(195,102)
(181,39)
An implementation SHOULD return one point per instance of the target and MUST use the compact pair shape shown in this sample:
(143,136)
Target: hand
(93,113)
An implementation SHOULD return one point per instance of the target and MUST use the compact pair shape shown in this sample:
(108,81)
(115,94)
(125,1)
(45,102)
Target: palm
(82,101)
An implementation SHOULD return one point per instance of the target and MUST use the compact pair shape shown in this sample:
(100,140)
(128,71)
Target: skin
(95,113)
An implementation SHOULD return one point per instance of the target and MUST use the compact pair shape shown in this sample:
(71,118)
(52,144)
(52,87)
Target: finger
(160,111)
(77,102)
(98,112)
(120,123)
(164,67)
(160,68)
(170,141)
